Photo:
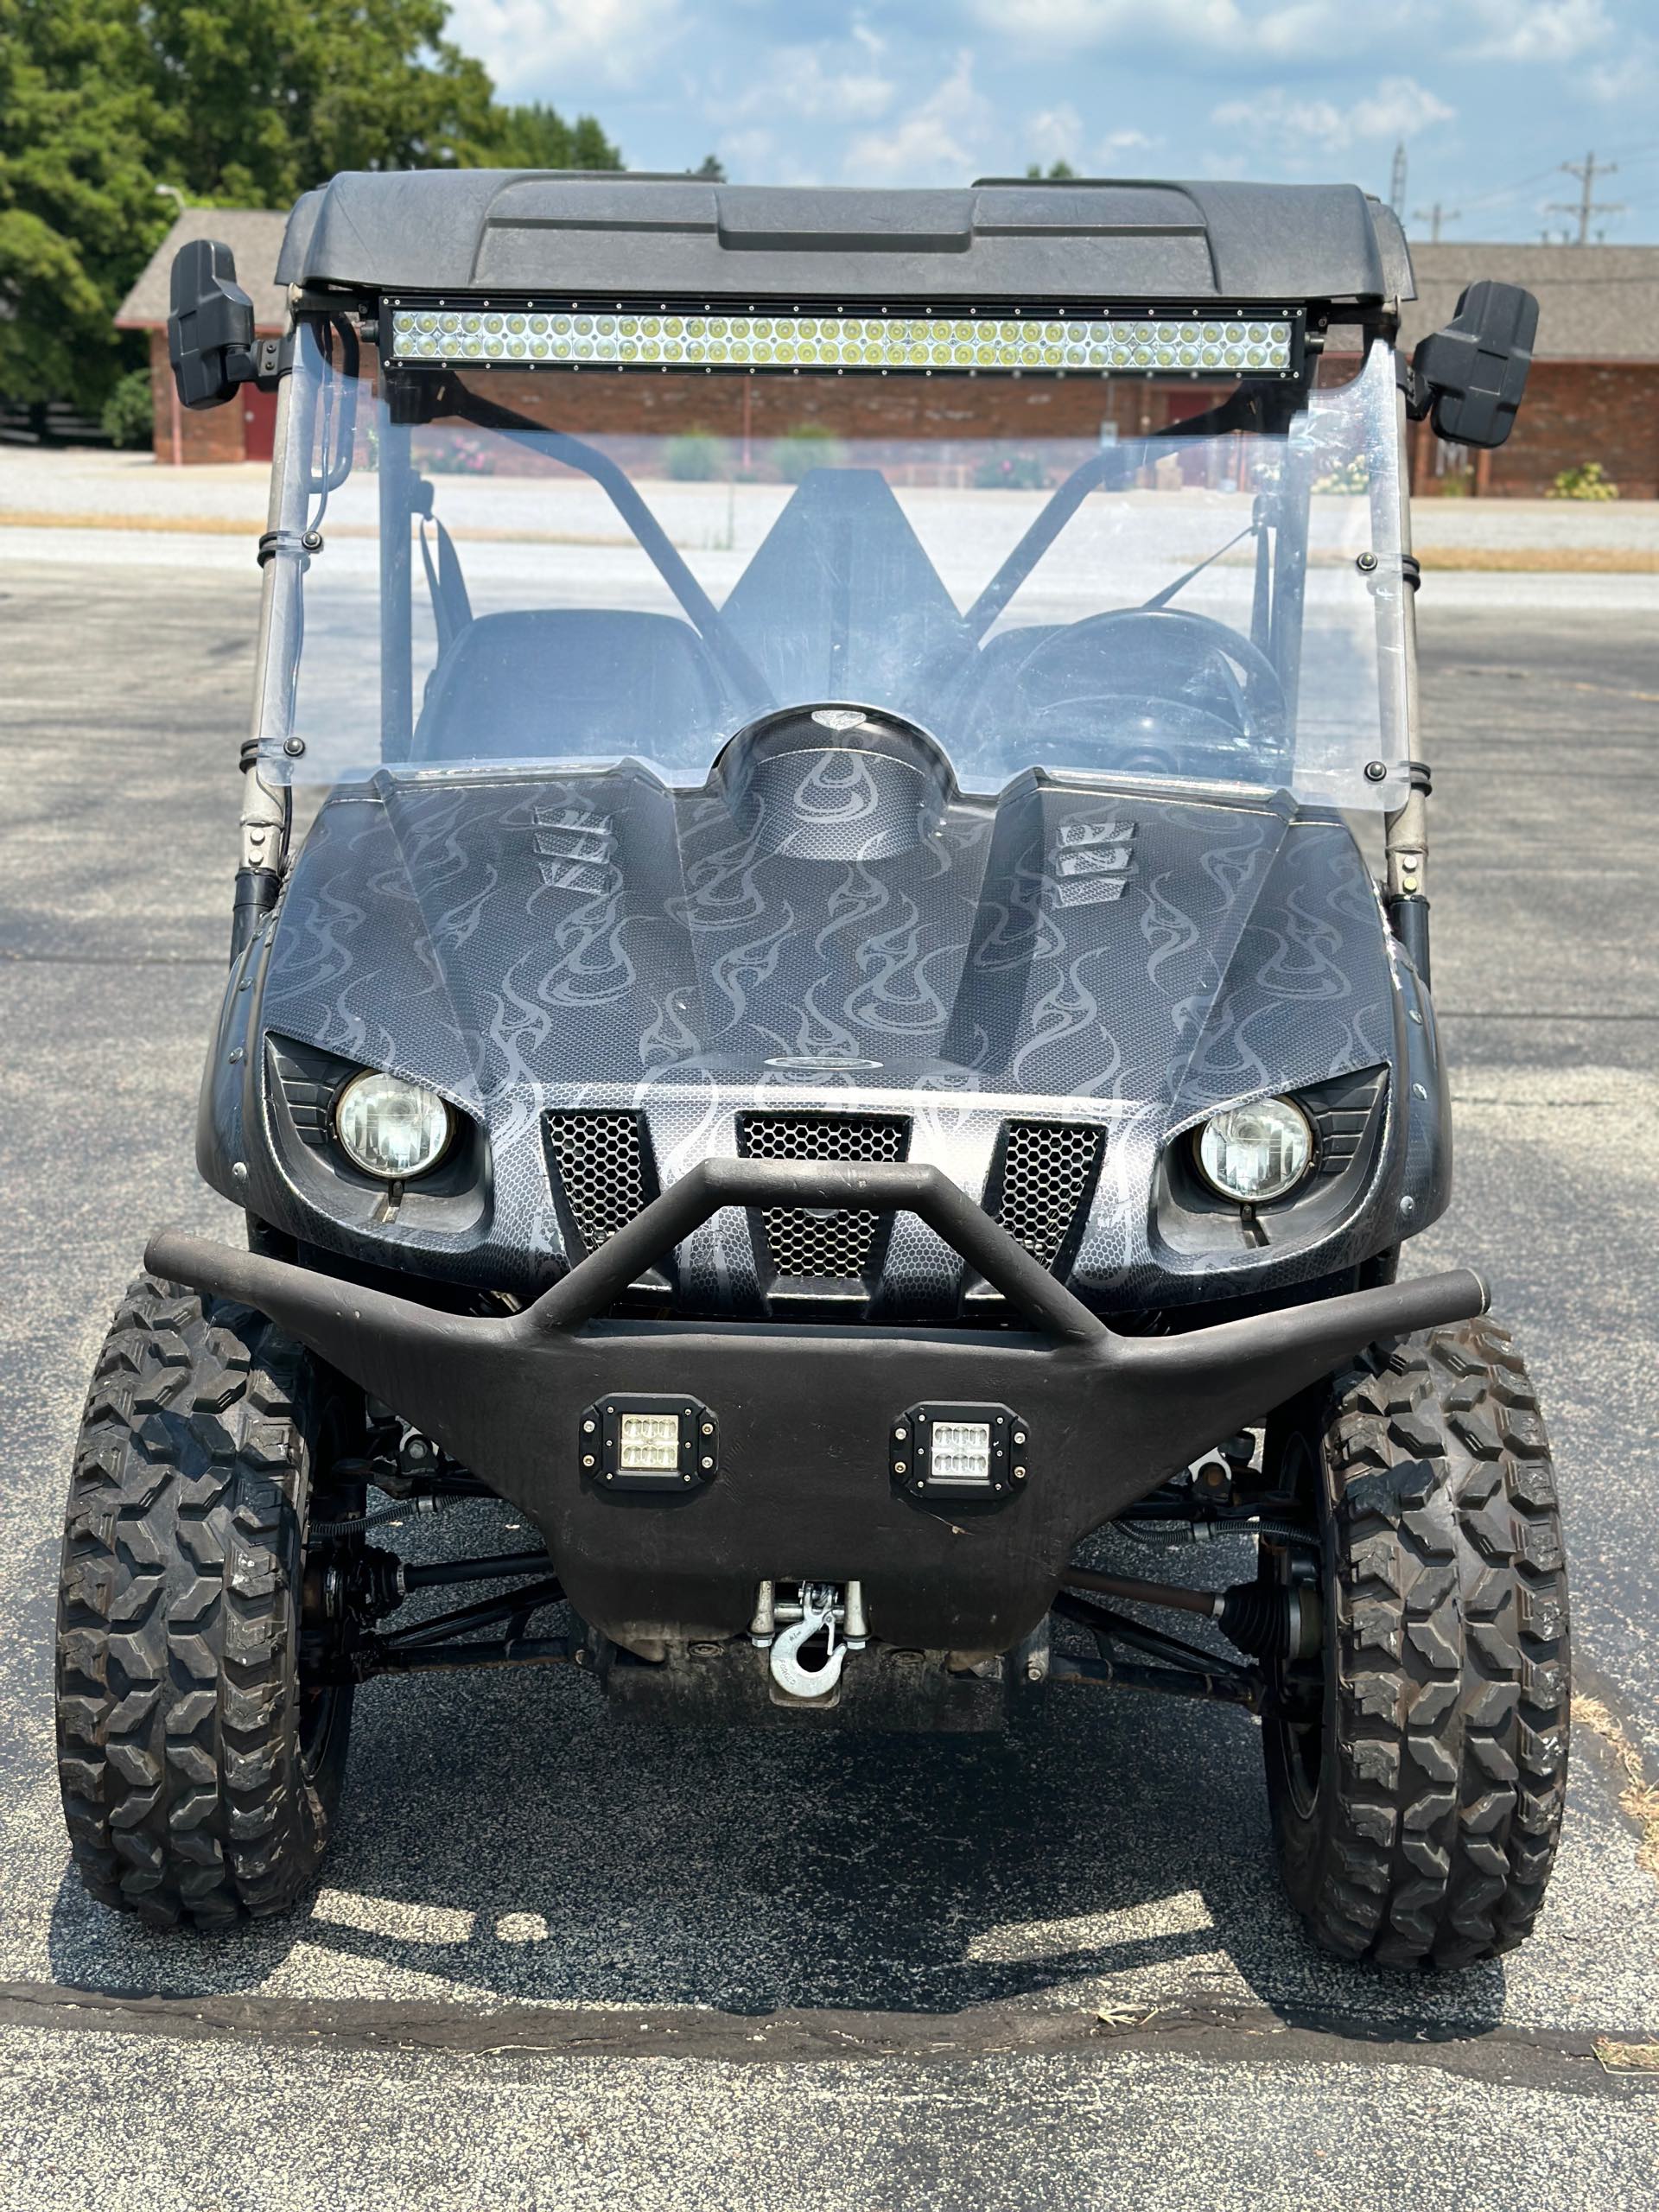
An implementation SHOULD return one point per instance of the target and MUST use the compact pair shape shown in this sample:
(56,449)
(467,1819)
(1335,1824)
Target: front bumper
(805,1489)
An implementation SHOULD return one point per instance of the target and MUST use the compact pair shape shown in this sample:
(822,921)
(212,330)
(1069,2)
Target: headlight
(392,1128)
(1256,1152)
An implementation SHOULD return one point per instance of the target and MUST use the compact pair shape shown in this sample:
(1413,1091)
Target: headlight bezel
(355,1157)
(1234,1194)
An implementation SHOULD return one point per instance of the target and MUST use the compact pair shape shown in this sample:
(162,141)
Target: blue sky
(1489,96)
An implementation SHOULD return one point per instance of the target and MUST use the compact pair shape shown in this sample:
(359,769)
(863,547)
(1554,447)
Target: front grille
(604,1176)
(819,1243)
(1049,1170)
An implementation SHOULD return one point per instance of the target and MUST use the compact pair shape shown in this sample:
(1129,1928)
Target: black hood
(537,937)
(829,923)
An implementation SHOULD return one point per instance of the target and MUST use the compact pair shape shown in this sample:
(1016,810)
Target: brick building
(1593,394)
(243,430)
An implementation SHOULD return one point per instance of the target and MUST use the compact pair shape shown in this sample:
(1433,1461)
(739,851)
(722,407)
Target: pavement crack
(1219,2030)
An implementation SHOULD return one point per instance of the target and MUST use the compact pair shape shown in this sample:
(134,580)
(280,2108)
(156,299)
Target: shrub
(697,457)
(453,452)
(811,446)
(1012,472)
(1349,477)
(129,416)
(1589,480)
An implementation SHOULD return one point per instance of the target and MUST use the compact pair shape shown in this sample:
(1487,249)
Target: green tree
(77,207)
(1056,172)
(258,99)
(711,169)
(535,137)
(237,103)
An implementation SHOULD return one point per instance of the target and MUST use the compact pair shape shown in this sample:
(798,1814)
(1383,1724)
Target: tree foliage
(233,102)
(538,137)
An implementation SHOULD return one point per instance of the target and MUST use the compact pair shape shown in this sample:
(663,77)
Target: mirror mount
(210,337)
(1469,377)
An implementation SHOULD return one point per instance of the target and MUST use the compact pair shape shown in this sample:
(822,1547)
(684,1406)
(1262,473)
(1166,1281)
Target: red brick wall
(850,407)
(1574,411)
(205,433)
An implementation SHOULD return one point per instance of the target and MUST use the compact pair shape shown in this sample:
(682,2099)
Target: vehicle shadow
(509,1838)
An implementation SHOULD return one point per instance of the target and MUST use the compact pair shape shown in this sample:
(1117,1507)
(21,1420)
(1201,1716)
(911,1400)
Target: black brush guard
(804,1489)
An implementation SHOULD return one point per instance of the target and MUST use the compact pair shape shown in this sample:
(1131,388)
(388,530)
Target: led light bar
(1189,342)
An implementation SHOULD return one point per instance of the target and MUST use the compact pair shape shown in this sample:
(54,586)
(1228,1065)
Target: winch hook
(817,1611)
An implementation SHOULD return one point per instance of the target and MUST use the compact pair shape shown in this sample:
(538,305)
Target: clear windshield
(1066,573)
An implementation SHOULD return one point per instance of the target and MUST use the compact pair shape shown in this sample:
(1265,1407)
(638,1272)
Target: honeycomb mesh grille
(601,1170)
(820,1243)
(1048,1174)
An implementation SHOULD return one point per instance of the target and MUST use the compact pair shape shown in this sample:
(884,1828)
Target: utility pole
(1435,217)
(1397,181)
(1586,204)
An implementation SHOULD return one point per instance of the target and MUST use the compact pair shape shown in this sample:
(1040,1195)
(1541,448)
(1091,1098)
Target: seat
(554,683)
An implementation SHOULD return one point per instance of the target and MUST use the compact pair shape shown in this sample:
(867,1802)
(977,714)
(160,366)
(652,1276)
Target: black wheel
(1416,1770)
(200,1738)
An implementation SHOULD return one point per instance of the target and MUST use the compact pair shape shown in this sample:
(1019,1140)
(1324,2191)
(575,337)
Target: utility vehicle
(854,1008)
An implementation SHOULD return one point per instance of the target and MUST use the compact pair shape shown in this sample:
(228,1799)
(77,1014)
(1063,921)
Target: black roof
(539,231)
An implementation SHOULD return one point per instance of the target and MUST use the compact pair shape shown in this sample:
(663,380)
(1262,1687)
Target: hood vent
(1048,1174)
(830,1251)
(602,1173)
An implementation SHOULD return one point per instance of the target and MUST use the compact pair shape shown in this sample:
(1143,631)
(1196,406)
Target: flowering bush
(453,453)
(1349,476)
(1013,472)
(1589,480)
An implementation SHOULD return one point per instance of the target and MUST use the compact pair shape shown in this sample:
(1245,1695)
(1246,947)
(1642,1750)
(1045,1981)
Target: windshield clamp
(273,542)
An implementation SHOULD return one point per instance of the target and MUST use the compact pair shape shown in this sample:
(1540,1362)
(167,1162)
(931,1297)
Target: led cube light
(960,1451)
(663,1444)
(527,334)
(649,1443)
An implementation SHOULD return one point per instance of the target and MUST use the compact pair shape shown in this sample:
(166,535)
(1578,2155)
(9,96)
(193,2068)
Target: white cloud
(1126,141)
(1399,108)
(802,80)
(1545,30)
(1633,76)
(528,46)
(1505,31)
(938,141)
(755,156)
(1055,134)
(1282,27)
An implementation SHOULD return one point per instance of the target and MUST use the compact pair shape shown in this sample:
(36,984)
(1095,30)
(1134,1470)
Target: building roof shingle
(1595,302)
(254,235)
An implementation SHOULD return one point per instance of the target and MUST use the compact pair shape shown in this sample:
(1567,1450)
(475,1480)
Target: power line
(1586,204)
(1509,191)
(1435,217)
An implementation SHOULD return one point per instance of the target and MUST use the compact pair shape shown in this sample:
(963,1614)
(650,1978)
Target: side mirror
(1469,377)
(210,330)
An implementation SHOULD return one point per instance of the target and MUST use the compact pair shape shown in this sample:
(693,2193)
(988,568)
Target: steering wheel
(1261,696)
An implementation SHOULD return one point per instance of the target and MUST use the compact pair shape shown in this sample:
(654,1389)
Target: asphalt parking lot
(557,1961)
